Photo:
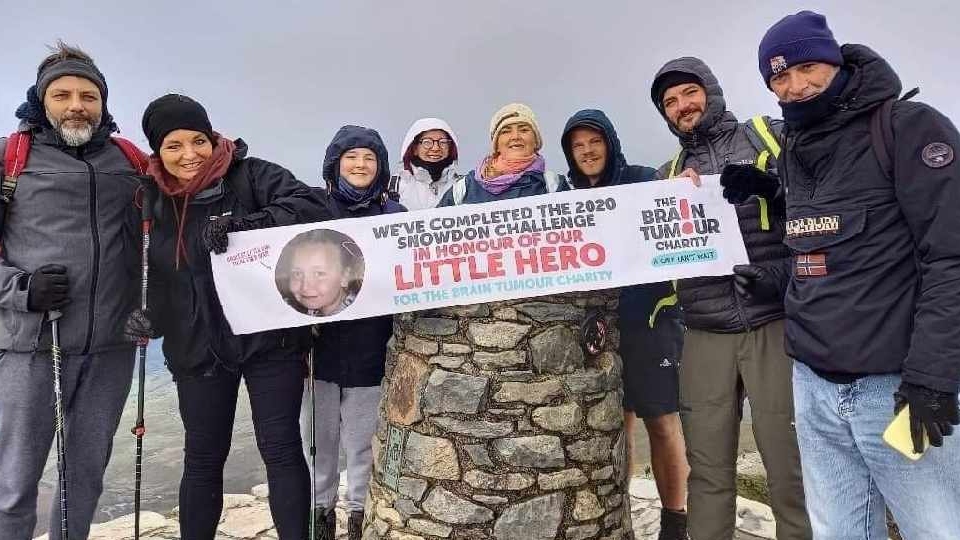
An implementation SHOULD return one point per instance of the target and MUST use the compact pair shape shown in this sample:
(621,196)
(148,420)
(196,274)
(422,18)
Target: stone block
(433,457)
(556,351)
(561,479)
(449,392)
(403,396)
(498,482)
(493,361)
(500,335)
(422,346)
(449,508)
(594,450)
(478,455)
(534,519)
(540,451)
(608,414)
(434,326)
(549,312)
(586,506)
(533,393)
(564,418)
(482,429)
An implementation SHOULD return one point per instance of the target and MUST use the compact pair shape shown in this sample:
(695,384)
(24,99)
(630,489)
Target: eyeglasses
(427,143)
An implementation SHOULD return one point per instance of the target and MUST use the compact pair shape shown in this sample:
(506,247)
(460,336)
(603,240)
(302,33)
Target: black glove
(741,181)
(47,288)
(750,280)
(930,410)
(214,236)
(215,233)
(138,326)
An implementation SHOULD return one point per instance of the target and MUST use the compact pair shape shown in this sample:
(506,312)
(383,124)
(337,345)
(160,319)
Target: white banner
(577,240)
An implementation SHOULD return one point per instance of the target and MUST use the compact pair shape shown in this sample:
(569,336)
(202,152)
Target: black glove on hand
(750,280)
(138,326)
(930,410)
(215,233)
(47,288)
(741,181)
(214,236)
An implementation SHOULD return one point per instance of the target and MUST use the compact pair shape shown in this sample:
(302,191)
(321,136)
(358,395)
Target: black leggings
(207,407)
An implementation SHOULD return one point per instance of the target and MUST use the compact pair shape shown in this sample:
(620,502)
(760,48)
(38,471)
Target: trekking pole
(313,445)
(54,317)
(146,220)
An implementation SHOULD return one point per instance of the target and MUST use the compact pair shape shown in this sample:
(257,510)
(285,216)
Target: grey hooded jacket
(711,303)
(73,206)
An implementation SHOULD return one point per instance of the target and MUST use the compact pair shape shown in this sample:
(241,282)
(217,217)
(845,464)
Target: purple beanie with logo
(797,39)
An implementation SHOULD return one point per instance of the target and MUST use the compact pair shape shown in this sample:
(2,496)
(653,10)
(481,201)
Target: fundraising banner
(560,242)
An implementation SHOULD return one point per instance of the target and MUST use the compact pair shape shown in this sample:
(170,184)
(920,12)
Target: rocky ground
(247,517)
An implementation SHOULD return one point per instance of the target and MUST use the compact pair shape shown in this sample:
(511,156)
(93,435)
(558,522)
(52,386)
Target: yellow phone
(897,435)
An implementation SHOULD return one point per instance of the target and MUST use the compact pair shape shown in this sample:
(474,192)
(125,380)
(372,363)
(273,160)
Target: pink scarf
(497,173)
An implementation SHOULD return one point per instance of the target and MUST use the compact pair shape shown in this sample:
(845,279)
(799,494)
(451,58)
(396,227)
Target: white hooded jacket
(416,189)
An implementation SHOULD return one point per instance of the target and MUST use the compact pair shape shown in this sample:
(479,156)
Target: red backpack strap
(134,155)
(14,160)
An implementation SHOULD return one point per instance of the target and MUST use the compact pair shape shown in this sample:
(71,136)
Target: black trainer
(673,525)
(326,523)
(355,525)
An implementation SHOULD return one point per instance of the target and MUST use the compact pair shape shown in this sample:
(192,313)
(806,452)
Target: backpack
(881,133)
(550,178)
(17,152)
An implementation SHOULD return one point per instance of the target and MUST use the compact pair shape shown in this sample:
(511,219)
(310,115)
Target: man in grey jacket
(69,244)
(733,347)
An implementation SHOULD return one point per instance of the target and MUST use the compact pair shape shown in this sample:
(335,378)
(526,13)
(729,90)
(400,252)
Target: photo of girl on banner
(320,272)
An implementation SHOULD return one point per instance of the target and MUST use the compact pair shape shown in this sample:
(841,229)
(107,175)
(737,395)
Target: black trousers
(208,404)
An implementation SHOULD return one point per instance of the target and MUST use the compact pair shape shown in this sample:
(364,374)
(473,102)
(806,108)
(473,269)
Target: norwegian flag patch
(811,265)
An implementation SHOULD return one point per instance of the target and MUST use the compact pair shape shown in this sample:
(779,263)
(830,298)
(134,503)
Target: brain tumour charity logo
(680,231)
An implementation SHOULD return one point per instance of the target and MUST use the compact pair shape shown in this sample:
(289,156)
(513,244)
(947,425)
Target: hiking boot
(673,525)
(355,525)
(325,523)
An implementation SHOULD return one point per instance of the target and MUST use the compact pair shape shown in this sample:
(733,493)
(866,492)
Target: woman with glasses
(208,187)
(429,165)
(349,356)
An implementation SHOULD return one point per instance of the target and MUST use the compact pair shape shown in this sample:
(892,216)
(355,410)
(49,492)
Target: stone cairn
(495,423)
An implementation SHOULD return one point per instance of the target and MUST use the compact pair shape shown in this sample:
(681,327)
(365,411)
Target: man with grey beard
(69,244)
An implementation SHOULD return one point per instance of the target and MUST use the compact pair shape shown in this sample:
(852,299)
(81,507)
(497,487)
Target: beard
(74,136)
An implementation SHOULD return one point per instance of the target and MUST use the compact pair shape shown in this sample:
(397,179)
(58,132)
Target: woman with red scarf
(207,188)
(514,167)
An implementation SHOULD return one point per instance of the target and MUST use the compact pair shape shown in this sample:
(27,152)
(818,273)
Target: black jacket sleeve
(928,191)
(283,199)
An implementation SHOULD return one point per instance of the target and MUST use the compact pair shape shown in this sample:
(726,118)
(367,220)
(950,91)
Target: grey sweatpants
(346,416)
(95,388)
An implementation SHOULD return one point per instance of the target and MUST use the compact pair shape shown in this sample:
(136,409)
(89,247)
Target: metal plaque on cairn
(502,421)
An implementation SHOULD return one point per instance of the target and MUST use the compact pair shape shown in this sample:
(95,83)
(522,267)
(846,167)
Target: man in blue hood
(651,335)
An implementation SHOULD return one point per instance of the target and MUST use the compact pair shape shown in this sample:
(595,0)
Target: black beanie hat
(172,112)
(668,80)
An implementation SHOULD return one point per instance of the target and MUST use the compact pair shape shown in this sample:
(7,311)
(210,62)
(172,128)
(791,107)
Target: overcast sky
(286,75)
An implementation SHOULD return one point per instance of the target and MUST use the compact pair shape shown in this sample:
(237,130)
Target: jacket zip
(95,233)
(715,163)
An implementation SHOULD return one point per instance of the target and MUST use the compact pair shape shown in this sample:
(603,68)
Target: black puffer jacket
(353,353)
(711,303)
(184,303)
(877,281)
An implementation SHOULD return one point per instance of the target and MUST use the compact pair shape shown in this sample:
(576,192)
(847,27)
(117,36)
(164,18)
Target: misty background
(285,76)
